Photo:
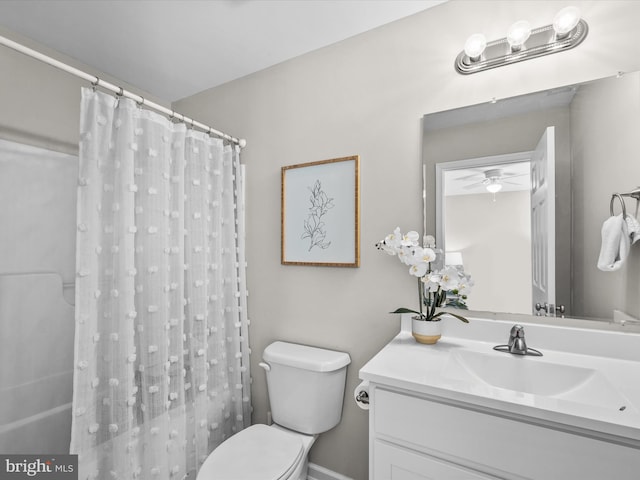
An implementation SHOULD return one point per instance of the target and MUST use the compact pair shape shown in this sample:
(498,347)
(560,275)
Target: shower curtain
(161,347)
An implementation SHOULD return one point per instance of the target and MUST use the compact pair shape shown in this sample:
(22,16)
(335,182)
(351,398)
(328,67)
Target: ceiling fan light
(494,187)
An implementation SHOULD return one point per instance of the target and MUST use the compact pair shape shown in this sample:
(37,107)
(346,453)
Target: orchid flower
(432,281)
(447,287)
(450,279)
(419,269)
(410,239)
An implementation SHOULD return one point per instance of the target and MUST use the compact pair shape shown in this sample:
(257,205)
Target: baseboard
(316,472)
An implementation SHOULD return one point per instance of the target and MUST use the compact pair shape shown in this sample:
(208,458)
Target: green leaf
(459,317)
(405,310)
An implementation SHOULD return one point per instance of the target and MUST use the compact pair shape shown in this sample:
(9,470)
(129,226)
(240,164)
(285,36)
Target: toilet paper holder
(362,397)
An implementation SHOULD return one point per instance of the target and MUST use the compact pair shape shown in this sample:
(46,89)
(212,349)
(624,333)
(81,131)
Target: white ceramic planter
(426,332)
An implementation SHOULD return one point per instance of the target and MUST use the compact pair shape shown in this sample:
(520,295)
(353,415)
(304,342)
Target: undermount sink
(536,376)
(523,374)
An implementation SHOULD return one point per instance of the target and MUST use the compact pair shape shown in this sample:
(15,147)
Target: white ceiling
(176,48)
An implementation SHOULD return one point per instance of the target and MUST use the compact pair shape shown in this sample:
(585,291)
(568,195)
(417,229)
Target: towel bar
(624,208)
(633,194)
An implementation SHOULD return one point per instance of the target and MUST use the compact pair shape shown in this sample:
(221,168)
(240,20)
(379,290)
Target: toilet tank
(306,386)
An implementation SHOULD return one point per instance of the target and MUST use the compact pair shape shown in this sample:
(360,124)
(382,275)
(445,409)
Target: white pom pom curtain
(161,349)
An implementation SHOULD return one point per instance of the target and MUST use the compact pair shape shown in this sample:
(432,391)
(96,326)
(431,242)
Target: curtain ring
(95,83)
(118,97)
(140,103)
(624,208)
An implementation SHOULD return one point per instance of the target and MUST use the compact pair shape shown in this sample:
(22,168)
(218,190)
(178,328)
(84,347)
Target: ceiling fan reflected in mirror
(494,179)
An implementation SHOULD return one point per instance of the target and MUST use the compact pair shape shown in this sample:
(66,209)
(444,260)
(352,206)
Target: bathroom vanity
(461,410)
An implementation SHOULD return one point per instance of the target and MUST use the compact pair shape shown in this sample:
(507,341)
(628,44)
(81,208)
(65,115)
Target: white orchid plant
(447,287)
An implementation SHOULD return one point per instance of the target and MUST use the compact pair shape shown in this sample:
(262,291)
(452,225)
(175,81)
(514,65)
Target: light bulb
(494,187)
(565,21)
(474,46)
(518,34)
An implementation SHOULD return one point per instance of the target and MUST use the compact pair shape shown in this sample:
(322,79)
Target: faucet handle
(517,331)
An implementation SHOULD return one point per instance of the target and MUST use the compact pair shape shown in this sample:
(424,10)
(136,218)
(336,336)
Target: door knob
(548,309)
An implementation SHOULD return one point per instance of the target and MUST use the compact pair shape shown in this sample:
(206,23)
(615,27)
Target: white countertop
(604,402)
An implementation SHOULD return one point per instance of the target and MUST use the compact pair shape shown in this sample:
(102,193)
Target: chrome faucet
(517,344)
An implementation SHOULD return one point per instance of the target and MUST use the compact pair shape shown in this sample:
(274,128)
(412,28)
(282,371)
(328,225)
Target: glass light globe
(494,187)
(566,20)
(518,33)
(475,45)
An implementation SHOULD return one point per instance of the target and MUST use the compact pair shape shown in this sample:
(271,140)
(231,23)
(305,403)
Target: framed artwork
(321,213)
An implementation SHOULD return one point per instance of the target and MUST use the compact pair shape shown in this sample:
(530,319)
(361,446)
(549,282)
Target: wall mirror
(528,227)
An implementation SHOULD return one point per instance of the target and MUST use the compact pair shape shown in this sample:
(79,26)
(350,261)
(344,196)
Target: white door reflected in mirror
(494,229)
(543,225)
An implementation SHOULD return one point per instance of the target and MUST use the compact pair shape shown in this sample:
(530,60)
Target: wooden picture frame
(320,222)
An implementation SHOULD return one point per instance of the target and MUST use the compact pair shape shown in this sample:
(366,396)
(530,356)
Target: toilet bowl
(259,452)
(306,394)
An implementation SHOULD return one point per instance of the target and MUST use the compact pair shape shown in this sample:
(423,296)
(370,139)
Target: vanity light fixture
(566,20)
(567,31)
(518,34)
(474,46)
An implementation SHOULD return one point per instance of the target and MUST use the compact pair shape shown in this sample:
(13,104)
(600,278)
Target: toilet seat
(259,452)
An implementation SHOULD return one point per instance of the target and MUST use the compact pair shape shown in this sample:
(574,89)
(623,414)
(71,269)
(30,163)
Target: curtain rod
(96,81)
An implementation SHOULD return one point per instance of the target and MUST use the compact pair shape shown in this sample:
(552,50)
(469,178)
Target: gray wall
(493,233)
(604,130)
(40,105)
(366,96)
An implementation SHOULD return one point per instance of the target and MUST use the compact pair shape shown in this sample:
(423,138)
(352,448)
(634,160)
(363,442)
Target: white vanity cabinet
(415,437)
(432,416)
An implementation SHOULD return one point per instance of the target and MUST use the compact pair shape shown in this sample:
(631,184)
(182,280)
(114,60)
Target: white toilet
(306,393)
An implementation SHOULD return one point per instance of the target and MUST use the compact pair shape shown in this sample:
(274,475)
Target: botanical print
(314,228)
(320,213)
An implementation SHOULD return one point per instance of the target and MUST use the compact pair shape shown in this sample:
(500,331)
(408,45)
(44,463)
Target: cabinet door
(396,463)
(505,447)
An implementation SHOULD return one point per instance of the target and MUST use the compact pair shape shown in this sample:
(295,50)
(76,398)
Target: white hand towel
(615,244)
(633,227)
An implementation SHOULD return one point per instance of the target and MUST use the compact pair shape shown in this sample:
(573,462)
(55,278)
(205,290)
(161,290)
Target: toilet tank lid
(305,357)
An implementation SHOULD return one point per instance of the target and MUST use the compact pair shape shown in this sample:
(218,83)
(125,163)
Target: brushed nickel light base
(543,41)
